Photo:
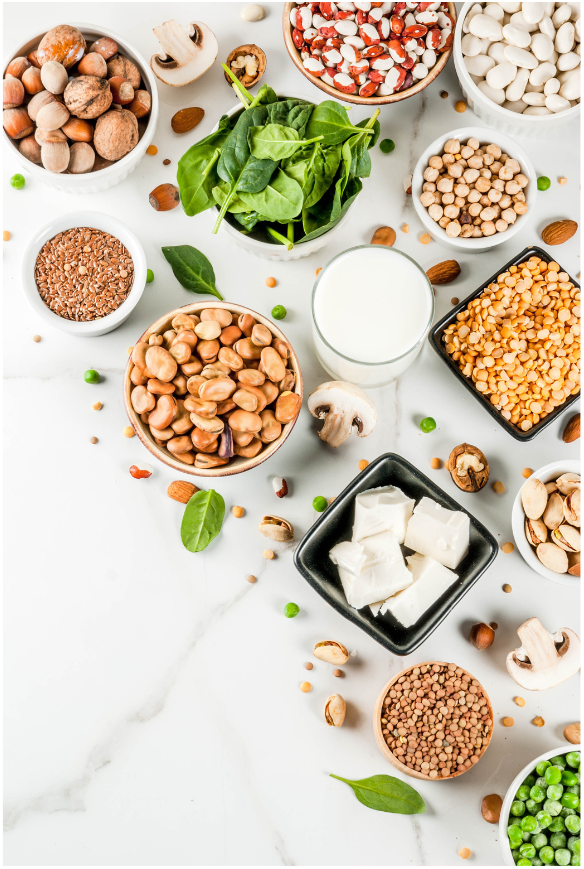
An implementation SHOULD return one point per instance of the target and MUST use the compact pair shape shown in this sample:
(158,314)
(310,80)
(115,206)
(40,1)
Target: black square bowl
(336,523)
(436,335)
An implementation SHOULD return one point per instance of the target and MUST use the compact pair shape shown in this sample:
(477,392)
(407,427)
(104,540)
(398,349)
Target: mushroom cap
(346,408)
(185,56)
(544,659)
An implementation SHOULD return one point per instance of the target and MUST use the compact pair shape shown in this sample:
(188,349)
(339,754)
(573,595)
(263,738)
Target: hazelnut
(491,806)
(116,134)
(122,90)
(37,102)
(120,65)
(81,159)
(52,116)
(31,79)
(55,156)
(165,197)
(105,46)
(88,96)
(92,64)
(12,93)
(17,66)
(42,136)
(141,104)
(64,44)
(30,149)
(54,77)
(17,123)
(78,130)
(482,636)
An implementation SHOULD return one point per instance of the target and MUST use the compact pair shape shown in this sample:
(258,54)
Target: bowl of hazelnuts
(80,107)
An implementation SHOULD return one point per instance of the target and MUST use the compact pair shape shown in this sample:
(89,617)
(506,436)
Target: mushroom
(345,408)
(543,659)
(468,468)
(185,56)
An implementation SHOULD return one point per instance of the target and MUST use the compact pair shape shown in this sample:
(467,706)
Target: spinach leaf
(360,145)
(192,269)
(202,520)
(320,219)
(220,193)
(320,173)
(330,120)
(384,793)
(291,113)
(281,199)
(264,96)
(275,142)
(197,173)
(248,220)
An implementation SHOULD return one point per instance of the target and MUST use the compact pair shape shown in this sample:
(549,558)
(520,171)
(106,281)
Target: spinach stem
(242,92)
(290,232)
(281,238)
(211,163)
(223,210)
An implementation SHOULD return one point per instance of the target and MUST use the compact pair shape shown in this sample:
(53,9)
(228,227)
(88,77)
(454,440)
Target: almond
(559,231)
(181,491)
(187,119)
(444,272)
(572,430)
(384,235)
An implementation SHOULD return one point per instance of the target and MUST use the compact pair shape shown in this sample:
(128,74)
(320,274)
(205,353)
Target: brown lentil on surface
(436,720)
(84,274)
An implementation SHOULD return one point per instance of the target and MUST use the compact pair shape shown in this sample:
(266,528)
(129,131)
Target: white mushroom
(345,408)
(544,659)
(185,56)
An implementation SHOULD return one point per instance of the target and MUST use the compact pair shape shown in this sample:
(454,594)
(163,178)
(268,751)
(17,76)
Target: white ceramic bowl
(509,796)
(102,179)
(545,474)
(485,136)
(276,252)
(97,220)
(502,119)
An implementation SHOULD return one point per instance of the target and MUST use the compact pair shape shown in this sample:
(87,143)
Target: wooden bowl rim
(223,470)
(355,98)
(383,745)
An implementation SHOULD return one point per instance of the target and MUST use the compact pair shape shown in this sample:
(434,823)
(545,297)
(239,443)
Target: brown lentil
(337,672)
(494,625)
(454,300)
(428,724)
(527,472)
(519,341)
(499,488)
(36,338)
(94,440)
(80,274)
(166,162)
(507,548)
(309,665)
(444,95)
(507,588)
(435,464)
(460,106)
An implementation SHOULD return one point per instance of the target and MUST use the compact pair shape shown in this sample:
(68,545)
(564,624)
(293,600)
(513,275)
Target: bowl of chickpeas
(212,389)
(474,188)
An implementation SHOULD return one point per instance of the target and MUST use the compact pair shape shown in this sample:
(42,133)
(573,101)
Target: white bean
(534,98)
(501,75)
(355,41)
(542,46)
(429,57)
(497,96)
(485,43)
(570,60)
(474,10)
(565,38)
(557,103)
(497,52)
(570,89)
(479,65)
(510,7)
(515,106)
(486,27)
(533,12)
(470,45)
(536,110)
(517,87)
(542,73)
(533,89)
(494,11)
(520,57)
(519,21)
(517,36)
(346,27)
(552,86)
(561,15)
(546,27)
(419,71)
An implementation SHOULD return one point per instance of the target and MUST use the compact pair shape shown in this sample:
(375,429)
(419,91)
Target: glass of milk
(372,307)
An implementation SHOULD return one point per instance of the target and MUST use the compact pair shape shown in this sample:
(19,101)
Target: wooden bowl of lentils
(84,273)
(433,721)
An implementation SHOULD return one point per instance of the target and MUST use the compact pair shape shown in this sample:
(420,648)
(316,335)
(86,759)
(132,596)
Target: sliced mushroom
(544,659)
(553,515)
(534,498)
(186,56)
(567,537)
(572,508)
(276,528)
(535,531)
(345,408)
(568,482)
(468,467)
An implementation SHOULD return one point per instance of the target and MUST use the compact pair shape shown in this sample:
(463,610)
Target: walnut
(120,65)
(88,96)
(116,134)
(468,468)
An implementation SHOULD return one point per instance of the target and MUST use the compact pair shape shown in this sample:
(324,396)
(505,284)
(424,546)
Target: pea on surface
(543,182)
(17,181)
(149,276)
(428,424)
(291,610)
(279,312)
(91,376)
(386,146)
(320,504)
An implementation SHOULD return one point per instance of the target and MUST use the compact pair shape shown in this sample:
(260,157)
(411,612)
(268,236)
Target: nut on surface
(248,63)
(572,430)
(559,231)
(491,806)
(331,652)
(186,120)
(181,491)
(468,468)
(335,710)
(384,235)
(277,529)
(482,636)
(444,273)
(572,733)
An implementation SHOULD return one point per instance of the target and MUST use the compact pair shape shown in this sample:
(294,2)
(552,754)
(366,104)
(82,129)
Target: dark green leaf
(280,200)
(248,220)
(202,520)
(384,793)
(192,269)
(291,113)
(330,120)
(320,173)
(195,187)
(321,220)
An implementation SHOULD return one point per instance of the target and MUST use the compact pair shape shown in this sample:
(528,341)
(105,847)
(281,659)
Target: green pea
(574,844)
(527,850)
(558,825)
(553,775)
(575,861)
(565,812)
(279,312)
(537,793)
(571,801)
(535,861)
(517,808)
(532,807)
(18,182)
(573,758)
(554,792)
(560,760)
(539,840)
(522,793)
(546,855)
(149,276)
(428,424)
(386,146)
(514,831)
(515,842)
(291,610)
(573,824)
(569,778)
(563,857)
(320,504)
(558,840)
(541,782)
(528,824)
(91,376)
(553,807)
(543,183)
(524,862)
(529,781)
(515,854)
(526,837)
(542,766)
(543,819)
(573,789)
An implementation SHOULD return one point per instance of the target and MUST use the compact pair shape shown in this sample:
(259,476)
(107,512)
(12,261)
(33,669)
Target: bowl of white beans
(519,64)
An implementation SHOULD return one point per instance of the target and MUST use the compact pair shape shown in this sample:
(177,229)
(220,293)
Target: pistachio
(574,562)
(552,557)
(534,498)
(553,515)
(572,508)
(535,531)
(568,482)
(276,528)
(567,537)
(551,487)
(331,652)
(334,710)
(468,468)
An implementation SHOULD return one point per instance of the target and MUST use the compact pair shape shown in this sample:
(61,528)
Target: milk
(372,307)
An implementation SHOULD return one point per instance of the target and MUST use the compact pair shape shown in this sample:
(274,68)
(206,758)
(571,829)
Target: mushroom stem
(537,643)
(337,427)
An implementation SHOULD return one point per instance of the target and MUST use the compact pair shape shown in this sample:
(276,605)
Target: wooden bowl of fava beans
(191,372)
(431,730)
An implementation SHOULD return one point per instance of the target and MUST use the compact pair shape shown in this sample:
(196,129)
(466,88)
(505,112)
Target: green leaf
(192,269)
(321,218)
(197,170)
(321,172)
(275,142)
(291,113)
(236,205)
(281,199)
(330,120)
(202,520)
(384,793)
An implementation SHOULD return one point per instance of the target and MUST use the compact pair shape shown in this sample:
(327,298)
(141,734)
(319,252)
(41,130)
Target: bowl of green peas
(540,818)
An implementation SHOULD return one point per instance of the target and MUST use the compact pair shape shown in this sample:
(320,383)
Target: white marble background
(153,715)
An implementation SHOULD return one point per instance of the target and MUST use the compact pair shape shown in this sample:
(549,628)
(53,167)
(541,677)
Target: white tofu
(348,555)
(443,534)
(383,574)
(430,580)
(382,509)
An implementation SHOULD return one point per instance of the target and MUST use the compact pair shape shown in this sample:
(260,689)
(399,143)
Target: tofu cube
(443,534)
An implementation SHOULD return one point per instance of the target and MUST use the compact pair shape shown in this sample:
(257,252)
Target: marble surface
(153,715)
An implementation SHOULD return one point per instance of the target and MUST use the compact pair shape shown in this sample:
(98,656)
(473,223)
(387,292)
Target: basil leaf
(192,269)
(330,120)
(202,520)
(384,793)
(280,200)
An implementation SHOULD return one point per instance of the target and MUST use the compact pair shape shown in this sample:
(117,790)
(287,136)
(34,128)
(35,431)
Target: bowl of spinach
(278,173)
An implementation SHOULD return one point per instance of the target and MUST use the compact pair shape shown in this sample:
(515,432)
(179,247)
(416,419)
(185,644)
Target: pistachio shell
(552,557)
(534,498)
(567,537)
(535,531)
(551,487)
(331,652)
(277,528)
(568,482)
(572,508)
(334,710)
(553,515)
(574,562)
